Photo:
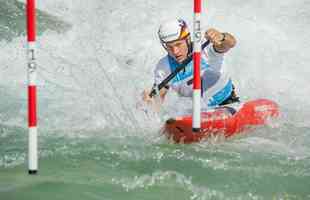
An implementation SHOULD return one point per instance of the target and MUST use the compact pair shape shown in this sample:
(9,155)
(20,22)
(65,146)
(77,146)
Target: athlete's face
(178,50)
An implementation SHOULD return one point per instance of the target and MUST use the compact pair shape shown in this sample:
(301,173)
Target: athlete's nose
(175,50)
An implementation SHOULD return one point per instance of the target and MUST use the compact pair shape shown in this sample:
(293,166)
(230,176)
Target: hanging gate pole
(196,59)
(32,90)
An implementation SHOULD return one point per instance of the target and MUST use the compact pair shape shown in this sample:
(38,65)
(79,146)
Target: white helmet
(173,30)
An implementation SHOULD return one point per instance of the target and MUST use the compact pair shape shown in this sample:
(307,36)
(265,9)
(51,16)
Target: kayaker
(217,87)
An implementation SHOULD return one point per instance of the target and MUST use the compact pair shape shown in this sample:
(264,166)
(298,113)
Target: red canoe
(227,120)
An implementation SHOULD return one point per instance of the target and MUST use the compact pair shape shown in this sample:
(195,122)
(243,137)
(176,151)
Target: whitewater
(94,60)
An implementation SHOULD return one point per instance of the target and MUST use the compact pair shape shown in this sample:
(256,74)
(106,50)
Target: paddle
(158,87)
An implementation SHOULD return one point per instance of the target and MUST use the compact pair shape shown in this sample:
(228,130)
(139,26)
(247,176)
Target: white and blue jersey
(216,84)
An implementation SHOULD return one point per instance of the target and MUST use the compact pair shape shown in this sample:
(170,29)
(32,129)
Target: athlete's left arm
(222,42)
(228,41)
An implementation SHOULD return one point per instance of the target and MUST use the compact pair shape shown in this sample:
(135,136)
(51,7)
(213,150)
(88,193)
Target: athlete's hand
(150,103)
(215,36)
(146,96)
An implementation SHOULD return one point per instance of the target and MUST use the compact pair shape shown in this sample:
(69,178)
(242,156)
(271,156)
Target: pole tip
(32,172)
(196,130)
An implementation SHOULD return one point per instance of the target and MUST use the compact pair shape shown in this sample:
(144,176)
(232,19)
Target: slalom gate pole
(196,59)
(32,90)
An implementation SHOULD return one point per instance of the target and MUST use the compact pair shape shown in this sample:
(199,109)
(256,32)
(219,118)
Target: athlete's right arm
(161,71)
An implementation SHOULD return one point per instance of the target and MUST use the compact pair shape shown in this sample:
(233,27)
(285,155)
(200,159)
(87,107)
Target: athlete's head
(175,38)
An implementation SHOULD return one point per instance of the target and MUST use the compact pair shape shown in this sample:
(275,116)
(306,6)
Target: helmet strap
(189,47)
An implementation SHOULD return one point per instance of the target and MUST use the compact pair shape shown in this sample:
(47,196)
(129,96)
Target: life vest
(220,91)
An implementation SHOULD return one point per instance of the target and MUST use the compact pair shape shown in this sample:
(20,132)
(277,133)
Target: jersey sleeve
(162,70)
(215,59)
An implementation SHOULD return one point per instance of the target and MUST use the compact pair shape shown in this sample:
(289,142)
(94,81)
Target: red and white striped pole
(196,60)
(32,90)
